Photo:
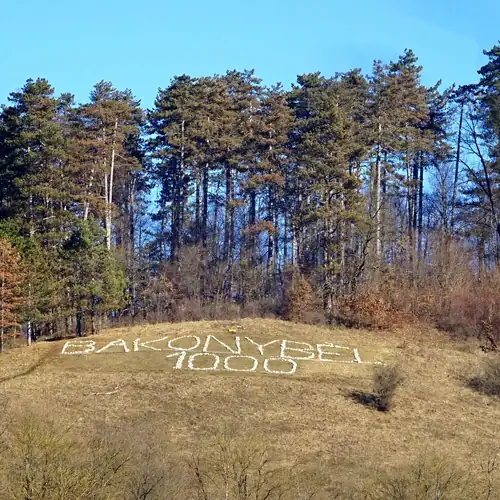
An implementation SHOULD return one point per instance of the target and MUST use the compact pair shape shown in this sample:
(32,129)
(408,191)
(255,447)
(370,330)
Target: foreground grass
(307,416)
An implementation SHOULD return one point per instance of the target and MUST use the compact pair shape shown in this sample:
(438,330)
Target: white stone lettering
(194,356)
(255,363)
(145,344)
(192,348)
(260,347)
(115,343)
(87,345)
(228,349)
(356,356)
(288,360)
(180,358)
(322,353)
(288,350)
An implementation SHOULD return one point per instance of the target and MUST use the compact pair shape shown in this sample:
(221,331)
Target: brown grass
(304,416)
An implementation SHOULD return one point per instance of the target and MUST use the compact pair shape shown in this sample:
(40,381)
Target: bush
(42,461)
(474,311)
(39,460)
(245,468)
(427,479)
(386,379)
(488,381)
(370,310)
(299,299)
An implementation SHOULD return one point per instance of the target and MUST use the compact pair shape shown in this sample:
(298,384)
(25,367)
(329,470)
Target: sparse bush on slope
(435,478)
(386,380)
(42,462)
(488,380)
(38,461)
(299,298)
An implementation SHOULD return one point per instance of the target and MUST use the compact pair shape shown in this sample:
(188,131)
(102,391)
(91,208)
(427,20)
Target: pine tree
(173,146)
(399,111)
(107,129)
(238,149)
(273,158)
(95,281)
(34,161)
(487,138)
(38,191)
(328,158)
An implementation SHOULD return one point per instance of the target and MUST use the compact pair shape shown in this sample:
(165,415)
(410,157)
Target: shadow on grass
(37,364)
(56,338)
(483,386)
(369,400)
(487,378)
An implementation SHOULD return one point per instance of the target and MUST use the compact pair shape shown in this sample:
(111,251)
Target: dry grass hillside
(307,415)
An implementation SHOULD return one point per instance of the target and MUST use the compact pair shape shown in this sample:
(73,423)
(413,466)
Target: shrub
(386,379)
(241,467)
(45,462)
(299,299)
(370,310)
(427,479)
(474,311)
(488,380)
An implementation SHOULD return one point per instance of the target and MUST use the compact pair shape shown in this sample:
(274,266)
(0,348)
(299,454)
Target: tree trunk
(86,203)
(420,208)
(276,237)
(215,232)
(252,219)
(131,245)
(109,200)
(79,324)
(409,201)
(230,262)
(197,210)
(29,332)
(204,235)
(378,204)
(285,238)
(227,216)
(457,169)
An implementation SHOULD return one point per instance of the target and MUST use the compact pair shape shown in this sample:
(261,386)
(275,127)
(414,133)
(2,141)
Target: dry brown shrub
(386,380)
(428,478)
(243,468)
(474,311)
(264,308)
(370,310)
(315,316)
(446,291)
(299,298)
(487,380)
(188,310)
(42,461)
(152,473)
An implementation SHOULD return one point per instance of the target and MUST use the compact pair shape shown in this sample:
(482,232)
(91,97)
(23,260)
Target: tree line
(228,192)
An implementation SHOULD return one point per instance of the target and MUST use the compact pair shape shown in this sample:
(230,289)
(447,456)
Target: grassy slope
(306,414)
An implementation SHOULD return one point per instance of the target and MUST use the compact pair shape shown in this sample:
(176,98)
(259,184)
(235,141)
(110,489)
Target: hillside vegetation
(140,400)
(361,198)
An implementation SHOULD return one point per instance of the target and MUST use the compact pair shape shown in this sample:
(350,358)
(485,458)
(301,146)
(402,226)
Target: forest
(357,199)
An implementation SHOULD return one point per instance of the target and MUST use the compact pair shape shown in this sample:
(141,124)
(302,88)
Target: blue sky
(141,45)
